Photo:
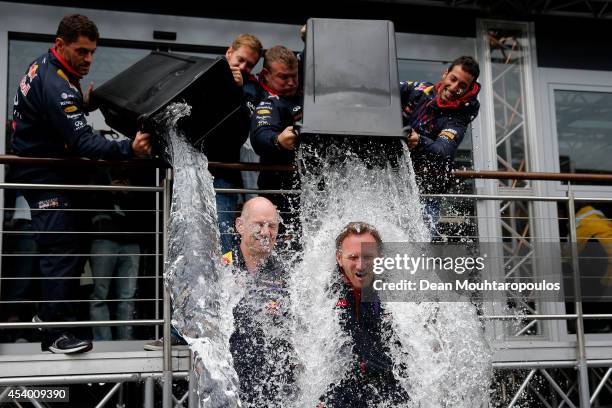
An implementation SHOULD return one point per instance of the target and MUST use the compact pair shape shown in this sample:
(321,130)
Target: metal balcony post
(193,383)
(580,339)
(167,351)
(149,388)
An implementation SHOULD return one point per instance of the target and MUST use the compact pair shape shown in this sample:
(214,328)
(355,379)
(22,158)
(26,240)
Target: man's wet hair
(249,41)
(282,54)
(75,25)
(468,64)
(359,228)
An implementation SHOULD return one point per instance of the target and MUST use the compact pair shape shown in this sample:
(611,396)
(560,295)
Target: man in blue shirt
(263,356)
(224,145)
(49,121)
(273,136)
(438,116)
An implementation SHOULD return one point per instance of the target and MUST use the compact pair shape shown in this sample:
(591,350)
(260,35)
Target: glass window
(584,131)
(21,54)
(108,62)
(594,232)
(422,71)
(202,54)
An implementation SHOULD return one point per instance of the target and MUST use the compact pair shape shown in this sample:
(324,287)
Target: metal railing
(156,208)
(157,233)
(162,190)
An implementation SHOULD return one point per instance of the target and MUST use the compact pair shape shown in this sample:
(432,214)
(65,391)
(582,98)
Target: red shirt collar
(266,87)
(252,78)
(455,103)
(64,64)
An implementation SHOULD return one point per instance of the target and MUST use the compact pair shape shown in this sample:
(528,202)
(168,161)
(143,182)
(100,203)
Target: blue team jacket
(273,114)
(49,121)
(441,127)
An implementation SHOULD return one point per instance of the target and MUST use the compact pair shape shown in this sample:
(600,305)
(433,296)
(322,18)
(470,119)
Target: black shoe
(159,343)
(66,343)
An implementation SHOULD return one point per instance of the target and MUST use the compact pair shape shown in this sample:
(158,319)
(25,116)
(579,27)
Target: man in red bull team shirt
(49,121)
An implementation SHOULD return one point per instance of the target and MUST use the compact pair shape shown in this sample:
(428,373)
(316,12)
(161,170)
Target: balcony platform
(115,360)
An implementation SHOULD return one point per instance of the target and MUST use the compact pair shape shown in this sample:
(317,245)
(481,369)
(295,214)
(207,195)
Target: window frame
(549,81)
(557,79)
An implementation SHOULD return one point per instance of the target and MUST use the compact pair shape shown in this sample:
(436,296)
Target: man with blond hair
(224,145)
(242,56)
(272,126)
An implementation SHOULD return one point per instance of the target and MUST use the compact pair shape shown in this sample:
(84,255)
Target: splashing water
(202,289)
(206,294)
(441,346)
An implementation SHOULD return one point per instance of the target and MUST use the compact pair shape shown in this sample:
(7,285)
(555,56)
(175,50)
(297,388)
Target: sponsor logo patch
(273,308)
(65,78)
(250,107)
(263,111)
(62,75)
(50,203)
(32,71)
(446,134)
(24,87)
(228,258)
(71,108)
(342,303)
